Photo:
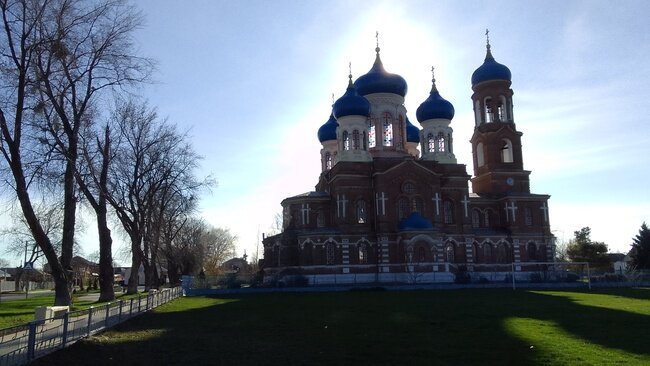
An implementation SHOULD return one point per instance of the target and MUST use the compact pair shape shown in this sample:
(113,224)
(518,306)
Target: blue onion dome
(327,131)
(378,80)
(490,70)
(415,221)
(351,103)
(435,106)
(412,132)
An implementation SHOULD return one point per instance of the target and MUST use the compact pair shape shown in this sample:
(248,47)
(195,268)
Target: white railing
(23,343)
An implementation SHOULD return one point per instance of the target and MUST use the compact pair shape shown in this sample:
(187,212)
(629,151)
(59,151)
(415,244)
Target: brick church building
(392,204)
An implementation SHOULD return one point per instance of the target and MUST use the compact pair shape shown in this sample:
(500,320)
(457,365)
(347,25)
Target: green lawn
(15,312)
(454,327)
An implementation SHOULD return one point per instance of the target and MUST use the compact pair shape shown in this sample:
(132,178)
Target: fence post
(131,308)
(90,320)
(513,276)
(107,316)
(64,340)
(31,340)
(139,302)
(119,316)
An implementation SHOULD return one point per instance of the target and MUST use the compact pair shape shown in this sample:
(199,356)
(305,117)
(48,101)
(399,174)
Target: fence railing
(23,343)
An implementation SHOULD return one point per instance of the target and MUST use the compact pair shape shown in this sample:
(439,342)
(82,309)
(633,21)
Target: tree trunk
(106,279)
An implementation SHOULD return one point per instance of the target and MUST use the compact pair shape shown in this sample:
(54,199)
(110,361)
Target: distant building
(392,200)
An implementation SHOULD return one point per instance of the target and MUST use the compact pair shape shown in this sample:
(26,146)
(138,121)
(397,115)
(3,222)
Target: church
(393,205)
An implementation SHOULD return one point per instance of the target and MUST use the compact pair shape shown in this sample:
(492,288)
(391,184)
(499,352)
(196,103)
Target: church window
(532,252)
(431,143)
(502,253)
(480,157)
(486,218)
(305,214)
(361,212)
(328,160)
(388,129)
(320,219)
(356,143)
(330,252)
(422,255)
(500,113)
(364,142)
(402,134)
(476,218)
(363,253)
(346,140)
(403,207)
(448,211)
(417,205)
(487,253)
(489,117)
(450,253)
(477,113)
(408,188)
(528,216)
(506,151)
(372,142)
(440,140)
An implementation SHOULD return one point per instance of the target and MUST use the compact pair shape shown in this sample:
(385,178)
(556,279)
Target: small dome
(378,80)
(412,132)
(435,106)
(491,70)
(327,131)
(415,221)
(351,103)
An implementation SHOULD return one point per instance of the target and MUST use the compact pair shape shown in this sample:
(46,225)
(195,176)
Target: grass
(455,327)
(15,312)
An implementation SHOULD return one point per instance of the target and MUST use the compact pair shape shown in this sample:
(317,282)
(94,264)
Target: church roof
(351,103)
(491,70)
(412,132)
(327,131)
(378,80)
(309,195)
(415,221)
(435,106)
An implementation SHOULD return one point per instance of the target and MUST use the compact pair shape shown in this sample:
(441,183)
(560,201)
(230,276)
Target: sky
(252,81)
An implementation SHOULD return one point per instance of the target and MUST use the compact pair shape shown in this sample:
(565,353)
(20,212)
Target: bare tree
(57,56)
(220,245)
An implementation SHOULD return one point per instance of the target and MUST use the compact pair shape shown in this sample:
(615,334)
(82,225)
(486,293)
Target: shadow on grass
(463,327)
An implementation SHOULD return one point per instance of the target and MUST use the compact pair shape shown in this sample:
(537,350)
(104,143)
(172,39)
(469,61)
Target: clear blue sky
(253,80)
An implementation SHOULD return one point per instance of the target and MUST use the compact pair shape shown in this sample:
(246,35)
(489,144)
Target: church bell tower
(496,143)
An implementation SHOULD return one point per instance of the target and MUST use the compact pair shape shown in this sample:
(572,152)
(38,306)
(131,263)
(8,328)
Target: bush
(230,281)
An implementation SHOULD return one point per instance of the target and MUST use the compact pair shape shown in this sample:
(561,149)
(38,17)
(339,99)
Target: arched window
(417,205)
(422,255)
(532,252)
(328,160)
(487,252)
(330,253)
(478,119)
(403,207)
(448,212)
(486,218)
(528,216)
(489,117)
(346,141)
(440,140)
(364,142)
(480,157)
(502,253)
(372,141)
(449,252)
(402,133)
(387,120)
(476,218)
(506,151)
(320,219)
(363,253)
(356,142)
(361,212)
(431,143)
(502,109)
(450,145)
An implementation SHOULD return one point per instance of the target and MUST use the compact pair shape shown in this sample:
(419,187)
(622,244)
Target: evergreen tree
(582,249)
(640,252)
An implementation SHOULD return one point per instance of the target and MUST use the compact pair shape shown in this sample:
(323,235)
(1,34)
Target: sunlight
(553,345)
(603,301)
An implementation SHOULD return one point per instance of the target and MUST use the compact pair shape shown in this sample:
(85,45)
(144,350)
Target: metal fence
(23,343)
